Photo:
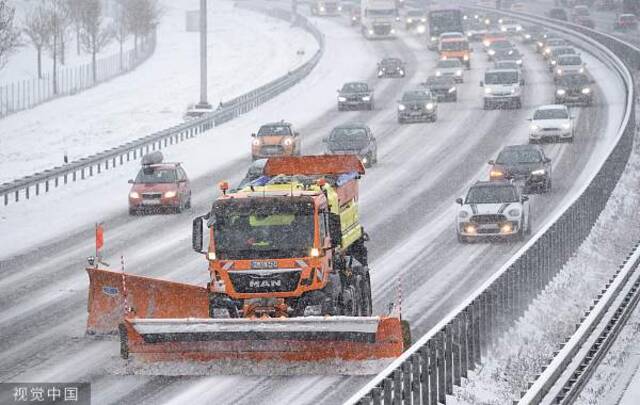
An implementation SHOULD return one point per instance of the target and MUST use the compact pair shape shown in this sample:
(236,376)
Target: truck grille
(151,196)
(488,218)
(381,29)
(247,281)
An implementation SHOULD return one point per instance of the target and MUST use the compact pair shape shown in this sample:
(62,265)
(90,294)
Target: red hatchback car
(159,187)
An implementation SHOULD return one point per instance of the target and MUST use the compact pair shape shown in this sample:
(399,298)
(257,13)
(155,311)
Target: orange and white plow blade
(305,339)
(147,297)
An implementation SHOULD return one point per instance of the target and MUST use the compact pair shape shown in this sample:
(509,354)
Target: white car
(502,87)
(566,64)
(451,67)
(493,209)
(509,26)
(551,122)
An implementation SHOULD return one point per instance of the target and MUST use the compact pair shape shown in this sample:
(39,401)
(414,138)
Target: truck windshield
(445,21)
(389,12)
(262,228)
(501,77)
(491,195)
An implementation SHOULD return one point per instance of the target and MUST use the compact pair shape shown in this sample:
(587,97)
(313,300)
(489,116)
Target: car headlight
(534,127)
(339,8)
(422,29)
(539,172)
(518,28)
(492,52)
(561,92)
(402,107)
(434,39)
(438,73)
(559,71)
(527,36)
(586,90)
(354,18)
(409,20)
(519,61)
(393,30)
(547,51)
(321,8)
(496,174)
(486,43)
(465,57)
(503,29)
(581,70)
(463,214)
(487,90)
(380,72)
(366,98)
(444,57)
(134,194)
(170,194)
(423,20)
(288,141)
(370,32)
(255,142)
(342,99)
(452,90)
(487,21)
(514,212)
(554,62)
(429,106)
(566,125)
(458,72)
(514,90)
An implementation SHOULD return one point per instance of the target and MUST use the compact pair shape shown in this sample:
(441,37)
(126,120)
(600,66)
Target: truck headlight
(534,128)
(561,92)
(438,73)
(496,174)
(409,20)
(527,36)
(514,90)
(339,8)
(170,194)
(463,214)
(434,39)
(539,172)
(134,194)
(370,32)
(342,99)
(255,142)
(366,98)
(486,43)
(503,29)
(458,72)
(465,58)
(518,28)
(514,212)
(519,61)
(487,90)
(429,106)
(491,52)
(566,125)
(393,30)
(581,70)
(401,107)
(559,71)
(586,90)
(211,255)
(288,141)
(452,90)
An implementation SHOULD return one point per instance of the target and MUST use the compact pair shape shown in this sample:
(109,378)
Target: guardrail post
(432,346)
(425,374)
(448,356)
(387,391)
(37,188)
(397,387)
(406,383)
(464,342)
(6,199)
(375,396)
(456,350)
(415,378)
(440,363)
(46,186)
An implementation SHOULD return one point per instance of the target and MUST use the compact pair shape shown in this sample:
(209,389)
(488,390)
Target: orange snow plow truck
(289,279)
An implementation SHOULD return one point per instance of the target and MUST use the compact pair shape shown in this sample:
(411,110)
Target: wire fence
(26,94)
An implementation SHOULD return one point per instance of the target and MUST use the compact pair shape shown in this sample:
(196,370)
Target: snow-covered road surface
(407,206)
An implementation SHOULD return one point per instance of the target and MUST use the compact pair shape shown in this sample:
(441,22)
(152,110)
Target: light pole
(204,104)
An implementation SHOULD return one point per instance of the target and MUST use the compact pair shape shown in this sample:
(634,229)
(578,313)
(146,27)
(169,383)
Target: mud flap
(147,297)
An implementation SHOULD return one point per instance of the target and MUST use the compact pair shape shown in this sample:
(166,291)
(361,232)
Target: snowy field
(155,95)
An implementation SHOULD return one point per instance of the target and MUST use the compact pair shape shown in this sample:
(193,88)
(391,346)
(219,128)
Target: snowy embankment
(521,353)
(77,206)
(156,95)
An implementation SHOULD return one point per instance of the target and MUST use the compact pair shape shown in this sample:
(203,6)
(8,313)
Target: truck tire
(366,304)
(486,105)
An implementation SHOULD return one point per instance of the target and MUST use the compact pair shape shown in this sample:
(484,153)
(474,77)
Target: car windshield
(583,11)
(454,45)
(572,80)
(491,194)
(506,77)
(556,42)
(508,22)
(156,175)
(507,65)
(507,53)
(348,138)
(436,80)
(449,63)
(355,87)
(415,13)
(563,51)
(277,130)
(551,114)
(515,156)
(262,228)
(390,62)
(627,18)
(501,44)
(416,95)
(569,60)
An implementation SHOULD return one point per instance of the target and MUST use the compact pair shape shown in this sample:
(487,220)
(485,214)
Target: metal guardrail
(429,369)
(567,373)
(40,182)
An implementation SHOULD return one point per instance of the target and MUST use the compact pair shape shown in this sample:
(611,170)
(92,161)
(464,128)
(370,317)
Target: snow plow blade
(147,297)
(288,341)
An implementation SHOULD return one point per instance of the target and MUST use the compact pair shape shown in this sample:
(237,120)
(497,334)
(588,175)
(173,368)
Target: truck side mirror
(131,181)
(459,200)
(197,235)
(335,229)
(492,162)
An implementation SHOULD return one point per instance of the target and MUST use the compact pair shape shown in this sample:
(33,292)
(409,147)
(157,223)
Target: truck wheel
(133,212)
(485,105)
(366,305)
(547,187)
(518,104)
(370,107)
(350,301)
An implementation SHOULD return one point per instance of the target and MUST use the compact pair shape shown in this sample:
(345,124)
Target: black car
(532,34)
(444,88)
(417,105)
(510,55)
(574,88)
(558,14)
(497,46)
(353,139)
(526,163)
(355,96)
(391,67)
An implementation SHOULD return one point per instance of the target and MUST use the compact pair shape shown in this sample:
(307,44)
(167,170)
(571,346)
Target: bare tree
(95,34)
(9,33)
(36,27)
(59,19)
(75,13)
(121,28)
(143,16)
